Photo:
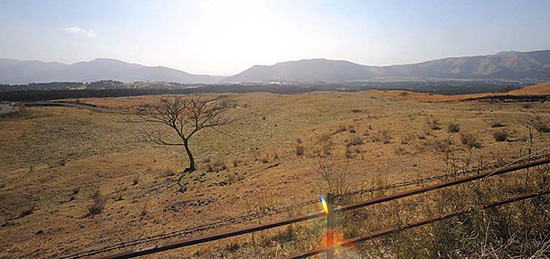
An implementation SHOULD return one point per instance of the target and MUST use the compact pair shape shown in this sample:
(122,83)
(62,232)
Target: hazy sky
(226,37)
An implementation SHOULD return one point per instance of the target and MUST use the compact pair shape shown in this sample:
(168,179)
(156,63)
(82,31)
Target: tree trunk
(191,167)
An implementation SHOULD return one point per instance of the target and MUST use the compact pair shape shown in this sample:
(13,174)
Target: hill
(539,89)
(24,72)
(504,65)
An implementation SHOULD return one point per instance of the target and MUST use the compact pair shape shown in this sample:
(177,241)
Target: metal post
(330,226)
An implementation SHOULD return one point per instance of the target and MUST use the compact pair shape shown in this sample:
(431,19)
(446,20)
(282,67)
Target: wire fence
(278,210)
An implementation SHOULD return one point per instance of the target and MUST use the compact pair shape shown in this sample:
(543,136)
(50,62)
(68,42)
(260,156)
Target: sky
(227,37)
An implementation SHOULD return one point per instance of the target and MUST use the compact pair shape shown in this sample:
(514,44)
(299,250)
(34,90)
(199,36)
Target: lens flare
(324,202)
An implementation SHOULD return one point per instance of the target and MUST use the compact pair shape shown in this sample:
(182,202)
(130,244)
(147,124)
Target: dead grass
(98,149)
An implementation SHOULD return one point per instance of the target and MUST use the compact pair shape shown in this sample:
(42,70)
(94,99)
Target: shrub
(98,203)
(300,150)
(470,140)
(453,127)
(500,135)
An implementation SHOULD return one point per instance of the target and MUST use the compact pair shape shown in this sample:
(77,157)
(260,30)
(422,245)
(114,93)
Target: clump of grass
(497,124)
(386,137)
(25,211)
(470,140)
(167,173)
(453,127)
(218,165)
(98,202)
(236,162)
(300,150)
(435,125)
(501,135)
(349,152)
(355,141)
(341,128)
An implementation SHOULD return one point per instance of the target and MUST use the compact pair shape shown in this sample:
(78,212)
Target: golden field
(53,158)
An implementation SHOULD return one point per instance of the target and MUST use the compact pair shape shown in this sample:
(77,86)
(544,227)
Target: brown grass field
(52,159)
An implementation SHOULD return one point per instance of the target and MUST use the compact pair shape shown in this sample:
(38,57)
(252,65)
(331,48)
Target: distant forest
(109,88)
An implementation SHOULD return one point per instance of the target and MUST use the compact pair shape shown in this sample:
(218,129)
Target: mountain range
(24,72)
(503,65)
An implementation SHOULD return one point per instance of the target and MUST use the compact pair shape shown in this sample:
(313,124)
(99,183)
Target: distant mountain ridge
(503,65)
(25,72)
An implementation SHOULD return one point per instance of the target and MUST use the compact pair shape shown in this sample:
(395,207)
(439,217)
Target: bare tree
(185,116)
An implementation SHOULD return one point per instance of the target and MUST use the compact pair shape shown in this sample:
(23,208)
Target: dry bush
(453,127)
(335,179)
(470,140)
(98,202)
(325,142)
(501,135)
(516,230)
(540,124)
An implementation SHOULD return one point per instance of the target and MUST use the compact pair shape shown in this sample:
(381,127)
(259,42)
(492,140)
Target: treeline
(42,95)
(108,88)
(97,85)
(41,86)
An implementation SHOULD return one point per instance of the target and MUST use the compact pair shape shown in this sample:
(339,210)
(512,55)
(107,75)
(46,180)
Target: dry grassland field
(54,161)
